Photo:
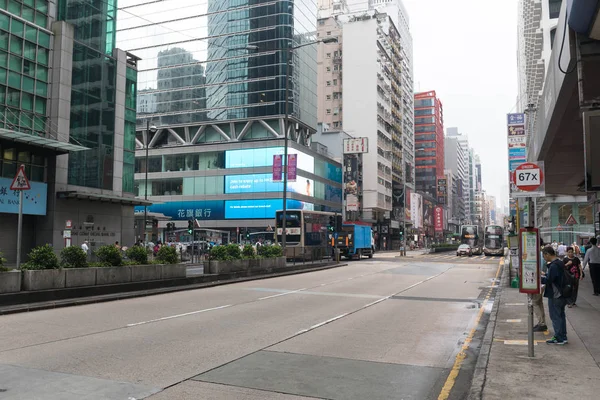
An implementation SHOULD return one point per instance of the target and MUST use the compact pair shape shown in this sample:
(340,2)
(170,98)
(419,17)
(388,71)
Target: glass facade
(24,59)
(92,92)
(215,60)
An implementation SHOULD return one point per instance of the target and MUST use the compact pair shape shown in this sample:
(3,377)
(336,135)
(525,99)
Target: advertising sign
(439,219)
(277,167)
(185,210)
(352,203)
(251,158)
(351,184)
(515,119)
(517,152)
(516,130)
(34,200)
(427,213)
(416,210)
(356,145)
(259,183)
(292,168)
(517,142)
(261,209)
(530,261)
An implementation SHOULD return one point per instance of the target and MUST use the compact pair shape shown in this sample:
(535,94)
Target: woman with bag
(573,265)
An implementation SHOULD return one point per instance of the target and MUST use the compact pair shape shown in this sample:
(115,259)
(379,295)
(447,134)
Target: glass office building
(67,113)
(212,79)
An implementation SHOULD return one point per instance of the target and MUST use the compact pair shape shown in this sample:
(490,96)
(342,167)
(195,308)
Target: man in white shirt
(562,250)
(85,248)
(592,256)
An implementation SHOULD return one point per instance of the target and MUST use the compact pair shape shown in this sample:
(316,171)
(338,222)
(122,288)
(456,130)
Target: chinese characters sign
(356,145)
(438,216)
(185,210)
(277,168)
(292,167)
(34,199)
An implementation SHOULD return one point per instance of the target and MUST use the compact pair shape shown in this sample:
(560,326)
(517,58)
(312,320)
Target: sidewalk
(556,372)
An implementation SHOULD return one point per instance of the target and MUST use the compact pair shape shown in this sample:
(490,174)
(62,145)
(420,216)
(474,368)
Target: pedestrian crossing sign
(20,182)
(571,220)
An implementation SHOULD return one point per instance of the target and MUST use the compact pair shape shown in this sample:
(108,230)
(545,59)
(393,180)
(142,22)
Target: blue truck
(355,241)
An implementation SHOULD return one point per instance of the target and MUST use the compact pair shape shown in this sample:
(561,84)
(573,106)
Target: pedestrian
(85,248)
(562,250)
(592,257)
(573,265)
(577,249)
(538,299)
(556,303)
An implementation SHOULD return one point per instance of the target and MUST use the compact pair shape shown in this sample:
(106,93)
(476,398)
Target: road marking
(321,324)
(460,357)
(514,304)
(515,321)
(282,294)
(517,342)
(178,316)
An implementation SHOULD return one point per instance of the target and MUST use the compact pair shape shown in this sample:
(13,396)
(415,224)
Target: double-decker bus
(306,234)
(493,241)
(469,234)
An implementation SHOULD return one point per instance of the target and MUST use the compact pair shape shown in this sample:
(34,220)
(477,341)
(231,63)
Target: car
(464,249)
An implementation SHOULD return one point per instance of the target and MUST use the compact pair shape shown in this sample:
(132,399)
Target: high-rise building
(372,108)
(329,74)
(478,177)
(67,108)
(225,76)
(456,156)
(429,141)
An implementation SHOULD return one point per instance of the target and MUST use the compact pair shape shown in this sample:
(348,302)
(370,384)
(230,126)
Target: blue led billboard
(260,209)
(185,210)
(251,158)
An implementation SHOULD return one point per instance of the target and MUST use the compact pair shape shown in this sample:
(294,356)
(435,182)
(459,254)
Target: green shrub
(218,253)
(233,251)
(73,257)
(42,257)
(138,255)
(109,255)
(2,261)
(98,265)
(167,255)
(227,252)
(270,251)
(248,251)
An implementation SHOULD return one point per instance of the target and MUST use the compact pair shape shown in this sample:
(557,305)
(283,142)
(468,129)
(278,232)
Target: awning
(103,198)
(39,141)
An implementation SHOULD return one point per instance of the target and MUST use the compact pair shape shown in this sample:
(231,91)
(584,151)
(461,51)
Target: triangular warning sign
(571,220)
(20,182)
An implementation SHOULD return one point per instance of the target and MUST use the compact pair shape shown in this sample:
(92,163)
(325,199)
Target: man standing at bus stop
(592,256)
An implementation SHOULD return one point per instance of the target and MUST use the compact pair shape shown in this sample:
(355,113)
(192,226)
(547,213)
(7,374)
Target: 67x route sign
(528,180)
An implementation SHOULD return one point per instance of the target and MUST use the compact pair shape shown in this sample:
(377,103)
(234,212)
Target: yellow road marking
(519,342)
(460,357)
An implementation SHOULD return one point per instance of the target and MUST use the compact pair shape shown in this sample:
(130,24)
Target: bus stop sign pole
(20,183)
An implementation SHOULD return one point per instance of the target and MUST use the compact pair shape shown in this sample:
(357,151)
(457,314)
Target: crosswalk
(454,257)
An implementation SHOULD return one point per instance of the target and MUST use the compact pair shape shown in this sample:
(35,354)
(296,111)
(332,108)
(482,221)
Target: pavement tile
(194,390)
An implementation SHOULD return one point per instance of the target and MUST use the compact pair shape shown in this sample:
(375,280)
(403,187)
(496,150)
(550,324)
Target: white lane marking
(376,301)
(282,294)
(321,324)
(178,316)
(514,304)
(515,321)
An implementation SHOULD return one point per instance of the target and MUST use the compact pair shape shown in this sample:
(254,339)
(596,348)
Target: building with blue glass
(67,113)
(211,156)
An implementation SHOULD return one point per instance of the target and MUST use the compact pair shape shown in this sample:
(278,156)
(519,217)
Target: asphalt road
(386,328)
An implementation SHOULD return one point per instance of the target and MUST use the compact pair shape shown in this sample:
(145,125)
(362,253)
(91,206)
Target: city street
(375,329)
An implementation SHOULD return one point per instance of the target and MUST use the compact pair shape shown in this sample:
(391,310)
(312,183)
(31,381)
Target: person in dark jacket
(556,302)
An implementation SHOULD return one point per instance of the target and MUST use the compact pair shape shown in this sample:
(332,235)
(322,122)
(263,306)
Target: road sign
(530,261)
(528,180)
(571,220)
(68,224)
(20,182)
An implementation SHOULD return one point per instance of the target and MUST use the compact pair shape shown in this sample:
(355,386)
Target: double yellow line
(460,357)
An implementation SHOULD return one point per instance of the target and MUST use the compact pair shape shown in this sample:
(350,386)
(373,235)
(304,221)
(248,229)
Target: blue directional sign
(516,119)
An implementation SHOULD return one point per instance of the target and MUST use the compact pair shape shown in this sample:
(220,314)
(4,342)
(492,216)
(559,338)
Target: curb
(76,301)
(480,372)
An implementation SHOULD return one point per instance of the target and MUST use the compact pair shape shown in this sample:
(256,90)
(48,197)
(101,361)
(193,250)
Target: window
(328,83)
(328,111)
(563,213)
(336,124)
(552,35)
(554,8)
(328,69)
(586,214)
(336,111)
(336,53)
(328,55)
(328,97)
(328,33)
(334,82)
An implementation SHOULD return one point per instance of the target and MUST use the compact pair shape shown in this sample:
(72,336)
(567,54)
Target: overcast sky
(466,50)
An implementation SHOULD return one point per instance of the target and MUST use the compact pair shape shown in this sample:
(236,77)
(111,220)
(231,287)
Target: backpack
(568,281)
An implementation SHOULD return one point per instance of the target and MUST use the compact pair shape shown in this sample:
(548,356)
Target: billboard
(427,213)
(185,210)
(351,183)
(416,210)
(356,145)
(252,158)
(34,200)
(261,183)
(517,142)
(260,209)
(438,213)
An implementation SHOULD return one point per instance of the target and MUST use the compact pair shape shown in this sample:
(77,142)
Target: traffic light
(190,226)
(331,225)
(247,235)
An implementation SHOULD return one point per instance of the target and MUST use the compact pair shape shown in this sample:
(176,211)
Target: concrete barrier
(226,267)
(76,277)
(10,281)
(43,279)
(151,272)
(172,271)
(112,275)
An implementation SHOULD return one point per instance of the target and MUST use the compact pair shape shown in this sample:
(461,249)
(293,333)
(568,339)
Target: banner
(416,210)
(277,168)
(439,219)
(292,168)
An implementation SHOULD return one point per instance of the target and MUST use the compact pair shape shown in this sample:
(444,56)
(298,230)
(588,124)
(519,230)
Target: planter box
(10,281)
(111,275)
(151,272)
(76,277)
(43,279)
(224,267)
(172,271)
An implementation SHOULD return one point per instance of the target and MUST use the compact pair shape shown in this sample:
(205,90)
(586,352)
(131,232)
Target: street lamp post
(149,129)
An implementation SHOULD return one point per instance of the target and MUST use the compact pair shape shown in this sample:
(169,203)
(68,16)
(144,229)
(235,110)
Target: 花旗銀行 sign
(34,200)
